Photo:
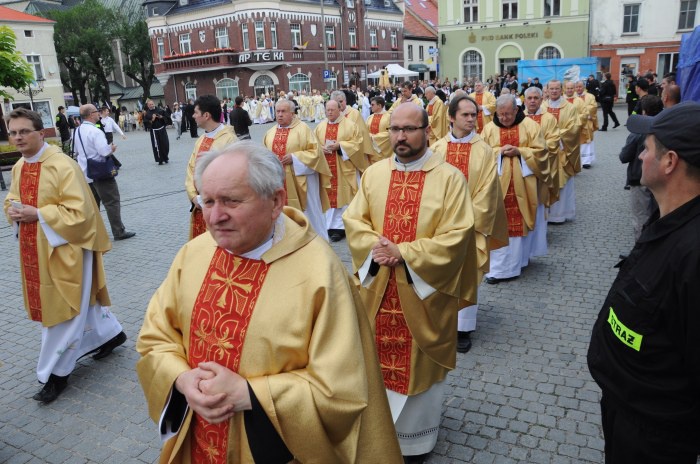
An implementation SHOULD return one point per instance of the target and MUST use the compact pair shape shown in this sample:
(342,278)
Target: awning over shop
(421,68)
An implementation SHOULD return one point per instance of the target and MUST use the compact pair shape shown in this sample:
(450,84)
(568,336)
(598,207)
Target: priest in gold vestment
(378,126)
(487,105)
(548,186)
(437,116)
(407,96)
(464,149)
(569,122)
(235,373)
(355,116)
(410,230)
(521,157)
(207,114)
(61,242)
(590,124)
(341,142)
(307,175)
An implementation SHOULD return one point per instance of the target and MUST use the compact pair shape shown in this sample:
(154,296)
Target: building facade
(35,42)
(638,36)
(484,38)
(420,37)
(255,47)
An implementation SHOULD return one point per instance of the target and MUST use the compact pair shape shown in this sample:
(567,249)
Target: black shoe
(160,163)
(586,166)
(602,130)
(52,389)
(166,161)
(624,256)
(495,280)
(106,349)
(617,124)
(464,342)
(125,235)
(419,459)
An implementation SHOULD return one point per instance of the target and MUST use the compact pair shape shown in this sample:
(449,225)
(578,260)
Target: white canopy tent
(395,70)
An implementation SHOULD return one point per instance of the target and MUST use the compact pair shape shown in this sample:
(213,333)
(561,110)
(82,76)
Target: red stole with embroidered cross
(554,112)
(479,97)
(511,136)
(198,226)
(28,252)
(458,155)
(536,117)
(332,159)
(279,148)
(430,109)
(220,319)
(393,337)
(374,125)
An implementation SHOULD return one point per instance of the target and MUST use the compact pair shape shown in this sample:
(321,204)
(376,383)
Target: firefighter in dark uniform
(645,347)
(631,98)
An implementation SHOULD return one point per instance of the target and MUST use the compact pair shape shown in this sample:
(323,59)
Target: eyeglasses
(22,132)
(406,130)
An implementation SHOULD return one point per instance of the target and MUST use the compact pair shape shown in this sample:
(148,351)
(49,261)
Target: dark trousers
(631,440)
(110,137)
(608,110)
(160,144)
(193,128)
(107,192)
(630,107)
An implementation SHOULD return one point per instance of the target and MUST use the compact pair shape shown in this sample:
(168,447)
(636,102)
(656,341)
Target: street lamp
(30,92)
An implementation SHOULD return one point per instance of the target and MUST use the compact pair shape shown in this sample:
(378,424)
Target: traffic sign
(327,74)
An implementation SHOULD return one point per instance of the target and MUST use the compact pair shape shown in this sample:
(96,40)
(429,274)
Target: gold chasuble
(309,358)
(220,319)
(437,120)
(548,189)
(378,125)
(569,123)
(343,184)
(590,119)
(487,100)
(520,192)
(366,140)
(52,277)
(476,161)
(224,137)
(428,213)
(299,140)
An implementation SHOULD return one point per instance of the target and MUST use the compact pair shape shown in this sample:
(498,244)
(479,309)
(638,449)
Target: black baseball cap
(676,128)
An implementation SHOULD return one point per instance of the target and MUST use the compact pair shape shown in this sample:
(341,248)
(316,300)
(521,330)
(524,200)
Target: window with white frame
(259,35)
(227,88)
(185,44)
(420,53)
(630,19)
(352,37)
(471,11)
(409,50)
(296,34)
(472,65)
(35,62)
(667,62)
(273,34)
(350,3)
(160,44)
(299,82)
(510,9)
(330,36)
(549,53)
(221,35)
(552,7)
(245,36)
(373,38)
(190,91)
(686,20)
(394,40)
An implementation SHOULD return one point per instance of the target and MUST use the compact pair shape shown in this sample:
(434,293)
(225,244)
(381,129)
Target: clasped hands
(386,253)
(26,213)
(331,148)
(214,392)
(510,150)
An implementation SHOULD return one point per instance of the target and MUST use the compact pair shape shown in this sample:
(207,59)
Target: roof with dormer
(14,16)
(421,19)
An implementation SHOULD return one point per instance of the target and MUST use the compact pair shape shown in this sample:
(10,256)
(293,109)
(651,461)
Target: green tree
(15,72)
(136,45)
(83,36)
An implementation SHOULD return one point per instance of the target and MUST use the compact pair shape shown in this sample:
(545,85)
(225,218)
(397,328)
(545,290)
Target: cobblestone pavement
(523,394)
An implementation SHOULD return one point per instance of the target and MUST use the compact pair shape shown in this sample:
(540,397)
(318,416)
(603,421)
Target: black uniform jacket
(645,347)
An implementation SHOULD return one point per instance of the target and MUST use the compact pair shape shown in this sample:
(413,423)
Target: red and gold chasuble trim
(198,226)
(374,125)
(393,337)
(430,109)
(332,160)
(511,136)
(458,155)
(536,117)
(220,319)
(279,148)
(554,112)
(28,252)
(570,100)
(479,97)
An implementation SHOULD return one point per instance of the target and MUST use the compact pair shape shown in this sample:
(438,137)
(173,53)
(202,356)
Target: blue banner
(563,69)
